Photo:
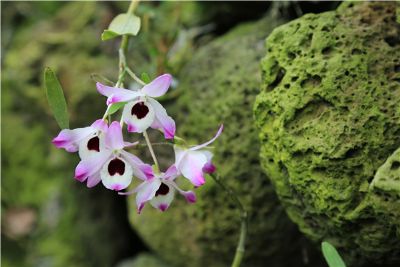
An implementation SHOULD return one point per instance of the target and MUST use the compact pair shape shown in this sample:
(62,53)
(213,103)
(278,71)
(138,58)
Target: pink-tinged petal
(146,191)
(190,196)
(116,174)
(171,173)
(116,94)
(221,128)
(179,154)
(100,125)
(208,167)
(163,197)
(163,207)
(114,139)
(69,139)
(191,167)
(89,166)
(140,169)
(158,87)
(163,121)
(132,128)
(138,115)
(93,180)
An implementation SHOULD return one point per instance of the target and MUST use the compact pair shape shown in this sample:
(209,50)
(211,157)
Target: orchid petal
(146,191)
(140,170)
(93,180)
(116,94)
(89,166)
(171,173)
(179,154)
(69,139)
(163,201)
(91,145)
(100,125)
(221,128)
(114,139)
(190,196)
(138,123)
(208,167)
(162,120)
(191,167)
(158,87)
(116,174)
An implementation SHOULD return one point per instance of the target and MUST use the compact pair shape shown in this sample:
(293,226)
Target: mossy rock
(329,118)
(218,86)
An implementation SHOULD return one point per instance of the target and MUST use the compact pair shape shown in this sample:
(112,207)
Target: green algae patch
(219,85)
(329,119)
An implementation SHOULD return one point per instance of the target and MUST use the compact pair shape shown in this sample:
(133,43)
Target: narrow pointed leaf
(56,99)
(115,107)
(122,24)
(331,255)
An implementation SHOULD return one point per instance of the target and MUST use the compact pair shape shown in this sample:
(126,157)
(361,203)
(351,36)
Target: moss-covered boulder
(218,86)
(329,118)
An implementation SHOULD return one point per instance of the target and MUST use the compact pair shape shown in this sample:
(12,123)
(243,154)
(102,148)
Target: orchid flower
(88,140)
(112,165)
(193,162)
(142,110)
(159,190)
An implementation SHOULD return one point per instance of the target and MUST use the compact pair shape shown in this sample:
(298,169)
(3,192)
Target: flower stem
(133,75)
(122,51)
(153,155)
(237,260)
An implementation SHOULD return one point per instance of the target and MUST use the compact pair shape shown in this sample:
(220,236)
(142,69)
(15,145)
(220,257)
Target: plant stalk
(240,249)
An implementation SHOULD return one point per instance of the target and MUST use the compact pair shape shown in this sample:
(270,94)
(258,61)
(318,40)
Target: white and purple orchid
(88,140)
(160,190)
(193,162)
(142,110)
(103,158)
(110,164)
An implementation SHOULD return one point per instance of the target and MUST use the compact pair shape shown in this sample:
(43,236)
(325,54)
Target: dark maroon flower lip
(140,110)
(116,166)
(162,190)
(94,144)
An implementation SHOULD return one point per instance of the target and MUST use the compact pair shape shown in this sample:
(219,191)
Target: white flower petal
(116,174)
(138,115)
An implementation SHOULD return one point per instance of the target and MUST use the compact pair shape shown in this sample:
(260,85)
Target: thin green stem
(133,75)
(237,260)
(153,155)
(122,51)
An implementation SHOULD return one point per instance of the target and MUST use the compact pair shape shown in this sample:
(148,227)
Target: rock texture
(329,119)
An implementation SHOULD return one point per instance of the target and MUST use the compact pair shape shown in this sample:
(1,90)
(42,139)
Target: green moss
(329,117)
(218,86)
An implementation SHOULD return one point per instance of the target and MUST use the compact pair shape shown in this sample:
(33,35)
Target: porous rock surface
(329,121)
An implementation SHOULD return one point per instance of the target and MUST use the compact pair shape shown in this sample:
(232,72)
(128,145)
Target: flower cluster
(104,158)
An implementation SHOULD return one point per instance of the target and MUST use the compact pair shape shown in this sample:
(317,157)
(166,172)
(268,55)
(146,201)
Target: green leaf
(331,255)
(115,107)
(56,99)
(145,77)
(122,24)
